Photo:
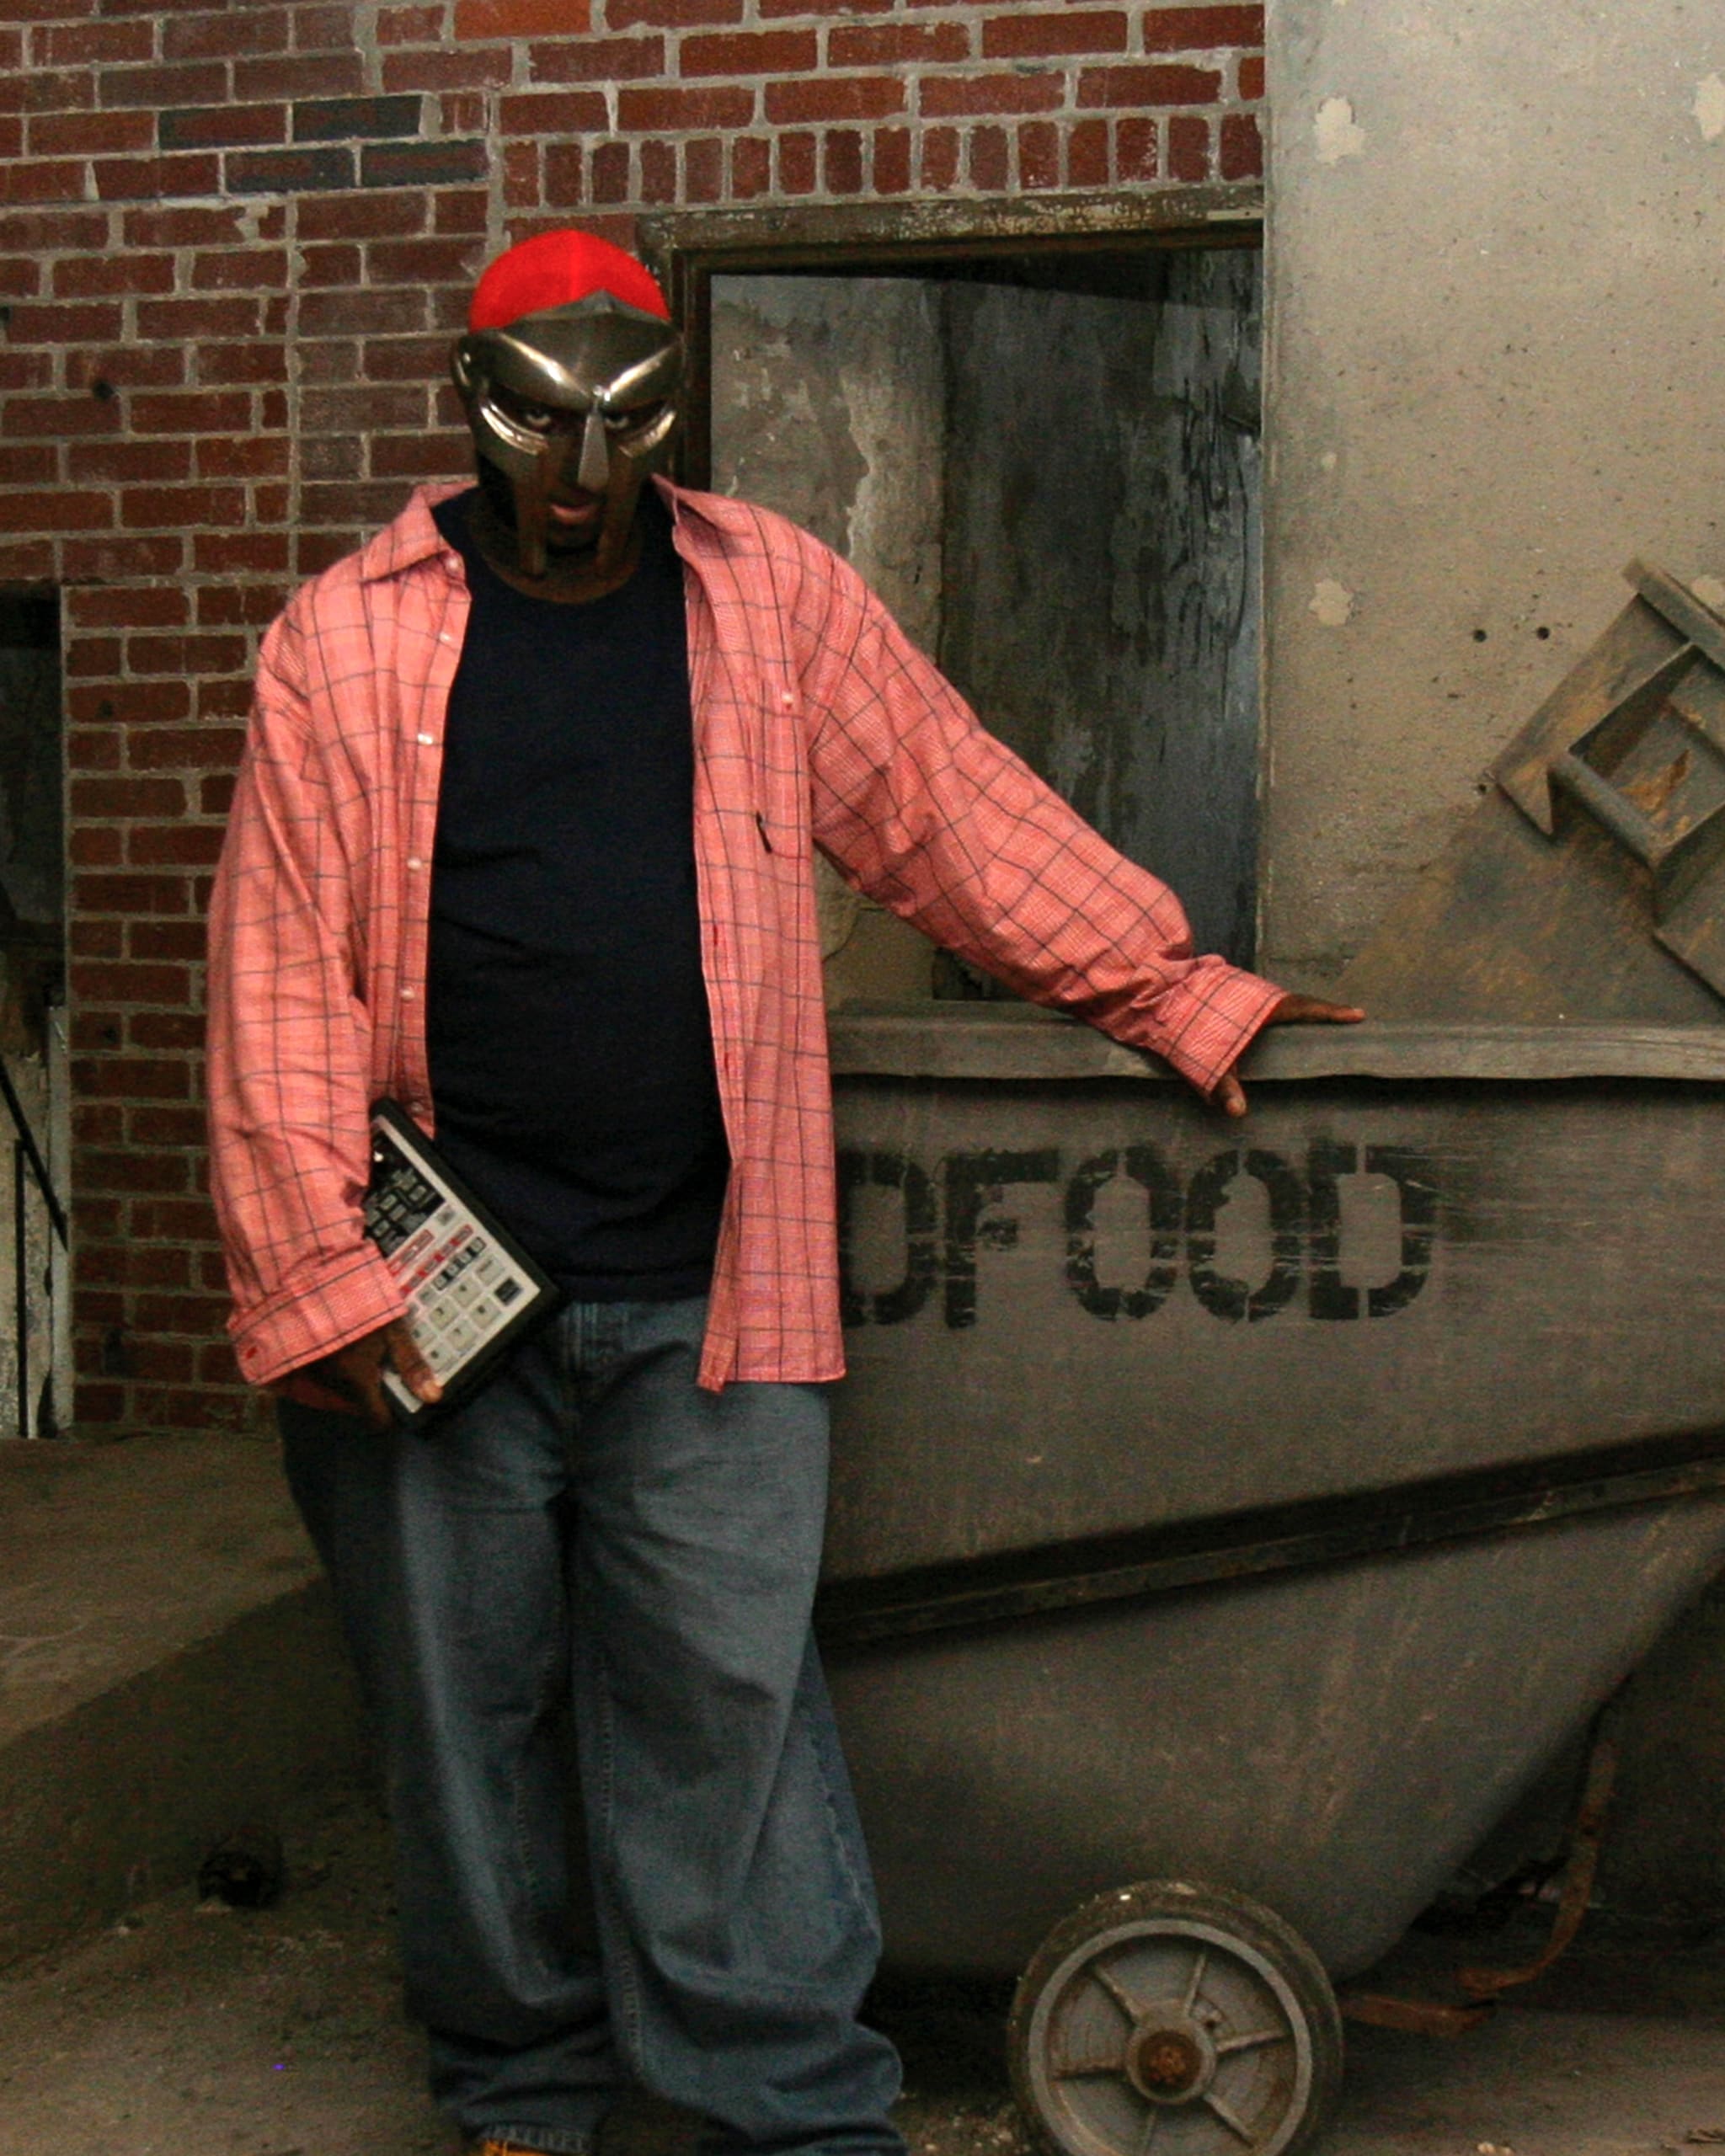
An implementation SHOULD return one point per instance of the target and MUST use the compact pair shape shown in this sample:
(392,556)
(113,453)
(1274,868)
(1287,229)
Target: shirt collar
(414,536)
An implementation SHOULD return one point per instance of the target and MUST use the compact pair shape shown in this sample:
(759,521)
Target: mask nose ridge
(595,469)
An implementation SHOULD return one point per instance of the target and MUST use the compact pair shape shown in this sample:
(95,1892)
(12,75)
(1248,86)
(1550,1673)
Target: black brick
(338,120)
(421,165)
(288,171)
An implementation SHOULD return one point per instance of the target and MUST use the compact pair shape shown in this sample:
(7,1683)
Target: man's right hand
(350,1381)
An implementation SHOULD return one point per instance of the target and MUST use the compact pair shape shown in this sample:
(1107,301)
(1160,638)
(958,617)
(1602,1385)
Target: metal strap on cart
(1039,1583)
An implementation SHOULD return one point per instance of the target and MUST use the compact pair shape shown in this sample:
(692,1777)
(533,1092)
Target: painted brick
(55,417)
(768,9)
(679,111)
(1252,76)
(40,90)
(188,412)
(407,359)
(205,127)
(659,173)
(460,112)
(163,88)
(89,134)
(471,67)
(506,18)
(835,97)
(422,164)
(361,216)
(199,317)
(461,210)
(43,181)
(309,75)
(111,559)
(940,158)
(752,167)
(242,363)
(672,14)
(1135,150)
(892,161)
(946,97)
(151,179)
(1130,86)
(1039,155)
(132,703)
(131,895)
(1188,148)
(599,60)
(55,44)
(241,268)
(151,845)
(1242,151)
(421,456)
(359,410)
(180,748)
(897,45)
(1087,154)
(226,36)
(426,261)
(183,225)
(610,172)
(323,28)
(83,276)
(334,120)
(65,325)
(703,169)
(1078,30)
(288,171)
(842,161)
(521,163)
(49,229)
(796,164)
(988,159)
(1201,30)
(750,52)
(554,112)
(410,25)
(60,512)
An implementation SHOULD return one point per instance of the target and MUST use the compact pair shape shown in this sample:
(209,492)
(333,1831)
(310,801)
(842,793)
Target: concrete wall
(1497,250)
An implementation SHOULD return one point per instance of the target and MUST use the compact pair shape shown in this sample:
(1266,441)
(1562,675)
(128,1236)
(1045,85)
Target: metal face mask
(578,398)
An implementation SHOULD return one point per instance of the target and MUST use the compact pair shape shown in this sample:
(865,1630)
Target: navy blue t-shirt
(570,1045)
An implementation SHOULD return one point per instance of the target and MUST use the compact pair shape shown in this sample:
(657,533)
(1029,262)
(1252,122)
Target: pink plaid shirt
(816,723)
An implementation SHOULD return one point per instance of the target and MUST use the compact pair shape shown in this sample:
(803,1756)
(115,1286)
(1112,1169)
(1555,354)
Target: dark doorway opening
(1041,445)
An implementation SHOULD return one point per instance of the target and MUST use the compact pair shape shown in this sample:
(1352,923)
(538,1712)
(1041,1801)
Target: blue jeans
(592,1539)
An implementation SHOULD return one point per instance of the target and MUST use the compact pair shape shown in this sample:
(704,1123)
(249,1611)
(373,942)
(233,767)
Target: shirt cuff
(314,1318)
(1206,1021)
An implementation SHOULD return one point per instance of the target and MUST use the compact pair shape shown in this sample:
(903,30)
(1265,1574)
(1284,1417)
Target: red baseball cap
(554,268)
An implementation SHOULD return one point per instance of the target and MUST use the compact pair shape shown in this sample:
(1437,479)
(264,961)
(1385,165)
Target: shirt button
(427,740)
(787,700)
(452,563)
(415,863)
(407,995)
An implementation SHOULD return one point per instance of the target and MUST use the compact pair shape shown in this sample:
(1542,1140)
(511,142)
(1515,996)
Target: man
(524,830)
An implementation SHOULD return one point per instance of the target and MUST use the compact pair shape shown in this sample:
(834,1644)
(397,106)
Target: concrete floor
(186,2033)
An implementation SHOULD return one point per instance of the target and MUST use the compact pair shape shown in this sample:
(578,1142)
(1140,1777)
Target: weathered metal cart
(1261,1505)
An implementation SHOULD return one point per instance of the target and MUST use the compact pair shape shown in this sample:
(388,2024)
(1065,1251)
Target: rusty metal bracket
(1415,2017)
(1587,1838)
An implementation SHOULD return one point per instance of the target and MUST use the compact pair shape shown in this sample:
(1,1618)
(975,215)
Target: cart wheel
(1173,2020)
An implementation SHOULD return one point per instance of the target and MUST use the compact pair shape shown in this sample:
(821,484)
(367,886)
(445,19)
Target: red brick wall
(233,243)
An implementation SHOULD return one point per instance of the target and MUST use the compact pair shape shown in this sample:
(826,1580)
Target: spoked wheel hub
(1170,2020)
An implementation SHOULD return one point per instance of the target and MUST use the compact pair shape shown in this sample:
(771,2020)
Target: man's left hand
(1230,1095)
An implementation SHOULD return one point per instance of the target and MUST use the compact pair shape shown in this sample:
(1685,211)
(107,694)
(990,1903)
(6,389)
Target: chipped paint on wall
(1710,107)
(1333,603)
(1338,135)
